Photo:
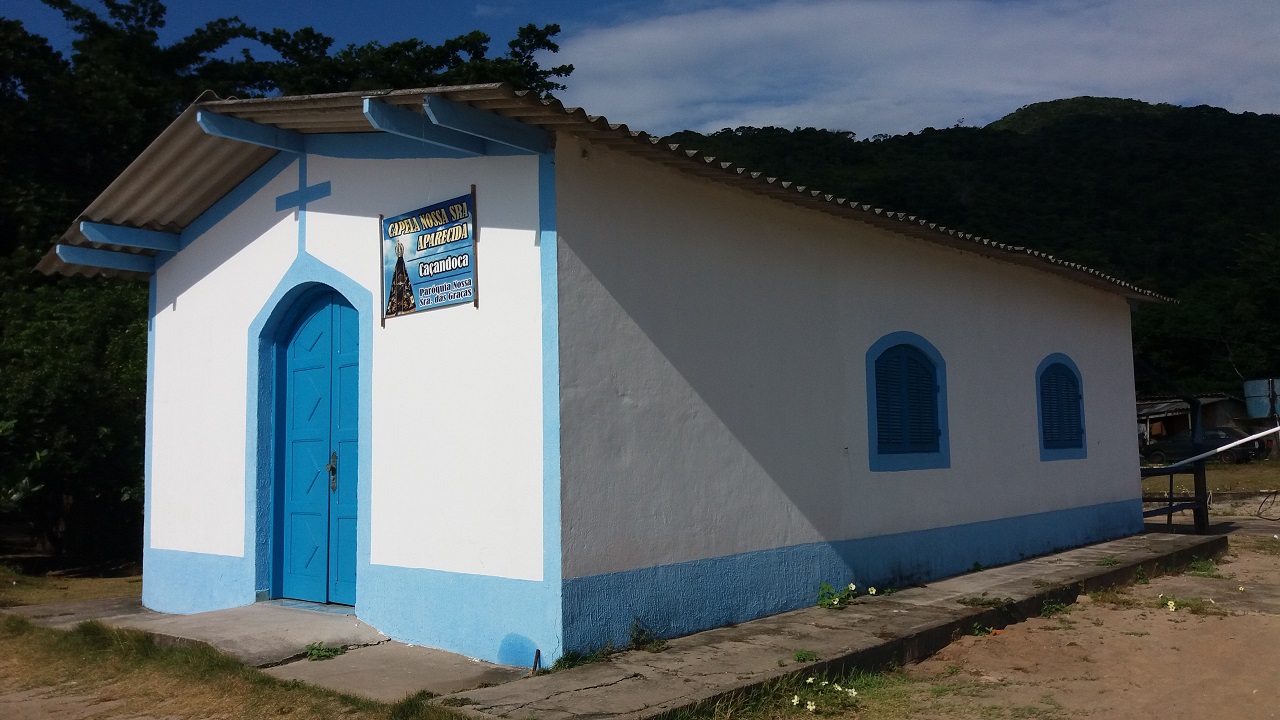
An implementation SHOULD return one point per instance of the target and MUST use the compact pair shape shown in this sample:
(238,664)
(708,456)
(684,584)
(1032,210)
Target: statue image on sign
(400,299)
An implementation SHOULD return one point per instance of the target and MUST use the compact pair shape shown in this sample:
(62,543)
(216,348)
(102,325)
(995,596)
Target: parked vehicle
(1178,446)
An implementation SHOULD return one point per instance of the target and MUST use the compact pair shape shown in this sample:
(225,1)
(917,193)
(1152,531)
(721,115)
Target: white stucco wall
(713,391)
(206,297)
(457,392)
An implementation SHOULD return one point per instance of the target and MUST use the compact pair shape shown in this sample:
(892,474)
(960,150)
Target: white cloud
(900,65)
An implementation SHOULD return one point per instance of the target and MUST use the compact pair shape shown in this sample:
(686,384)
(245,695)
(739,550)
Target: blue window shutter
(906,402)
(1060,408)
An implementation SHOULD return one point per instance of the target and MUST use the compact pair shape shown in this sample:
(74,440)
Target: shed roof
(184,171)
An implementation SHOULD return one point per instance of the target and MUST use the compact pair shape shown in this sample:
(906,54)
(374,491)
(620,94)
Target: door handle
(332,467)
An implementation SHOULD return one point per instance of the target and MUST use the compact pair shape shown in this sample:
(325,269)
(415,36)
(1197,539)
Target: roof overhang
(214,146)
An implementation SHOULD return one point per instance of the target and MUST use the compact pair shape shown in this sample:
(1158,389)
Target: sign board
(429,257)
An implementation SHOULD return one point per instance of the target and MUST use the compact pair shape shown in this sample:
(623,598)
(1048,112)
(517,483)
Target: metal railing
(1199,504)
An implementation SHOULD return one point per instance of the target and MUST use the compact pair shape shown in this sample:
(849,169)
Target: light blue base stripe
(495,619)
(186,582)
(683,598)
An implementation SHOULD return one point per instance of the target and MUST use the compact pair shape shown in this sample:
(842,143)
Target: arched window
(1061,409)
(907,409)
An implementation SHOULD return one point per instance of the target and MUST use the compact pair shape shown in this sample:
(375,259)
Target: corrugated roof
(185,171)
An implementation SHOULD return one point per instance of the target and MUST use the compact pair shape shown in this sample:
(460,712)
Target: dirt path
(1217,655)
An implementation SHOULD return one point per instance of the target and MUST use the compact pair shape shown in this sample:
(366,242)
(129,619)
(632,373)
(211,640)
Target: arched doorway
(317,416)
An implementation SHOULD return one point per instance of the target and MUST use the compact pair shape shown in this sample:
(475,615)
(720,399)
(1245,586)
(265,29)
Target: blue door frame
(317,415)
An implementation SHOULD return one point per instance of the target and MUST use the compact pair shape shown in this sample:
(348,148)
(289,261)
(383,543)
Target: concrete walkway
(275,637)
(900,628)
(906,626)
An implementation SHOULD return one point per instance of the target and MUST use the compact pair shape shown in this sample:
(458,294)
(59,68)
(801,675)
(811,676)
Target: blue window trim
(1050,454)
(887,462)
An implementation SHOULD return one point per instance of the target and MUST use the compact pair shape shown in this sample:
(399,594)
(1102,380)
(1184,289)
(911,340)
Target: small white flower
(809,681)
(795,699)
(852,587)
(835,602)
(810,706)
(837,687)
(824,683)
(852,693)
(871,591)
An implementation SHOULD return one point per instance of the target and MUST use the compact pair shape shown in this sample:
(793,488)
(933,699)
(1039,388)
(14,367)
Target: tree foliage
(73,351)
(1177,200)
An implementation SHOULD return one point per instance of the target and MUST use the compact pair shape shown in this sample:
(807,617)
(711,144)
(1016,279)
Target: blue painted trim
(407,123)
(495,128)
(299,198)
(148,442)
(552,554)
(306,274)
(187,582)
(129,237)
(107,259)
(491,618)
(1051,454)
(247,131)
(688,597)
(237,197)
(302,208)
(893,462)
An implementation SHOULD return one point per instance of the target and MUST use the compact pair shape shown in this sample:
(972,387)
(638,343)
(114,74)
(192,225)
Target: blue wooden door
(321,413)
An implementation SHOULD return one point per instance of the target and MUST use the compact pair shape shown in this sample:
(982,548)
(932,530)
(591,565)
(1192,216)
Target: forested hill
(1184,201)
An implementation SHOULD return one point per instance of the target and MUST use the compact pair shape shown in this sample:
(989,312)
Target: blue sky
(870,66)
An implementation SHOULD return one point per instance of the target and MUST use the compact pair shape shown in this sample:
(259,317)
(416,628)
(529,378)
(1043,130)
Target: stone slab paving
(906,626)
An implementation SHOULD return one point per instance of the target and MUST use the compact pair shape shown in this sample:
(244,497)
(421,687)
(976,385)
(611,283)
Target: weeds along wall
(714,404)
(451,481)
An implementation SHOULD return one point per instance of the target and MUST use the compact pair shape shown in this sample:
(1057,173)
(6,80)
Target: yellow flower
(810,706)
(1172,606)
(835,601)
(795,699)
(852,587)
(871,591)
(1241,588)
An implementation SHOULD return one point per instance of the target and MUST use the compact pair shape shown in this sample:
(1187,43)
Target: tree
(73,351)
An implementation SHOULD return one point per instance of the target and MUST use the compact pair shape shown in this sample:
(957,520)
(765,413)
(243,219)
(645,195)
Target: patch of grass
(18,588)
(889,689)
(574,659)
(1140,576)
(1053,607)
(1257,476)
(1112,596)
(1135,633)
(175,681)
(1108,561)
(804,656)
(983,601)
(980,630)
(1193,605)
(642,637)
(1264,545)
(320,651)
(1204,568)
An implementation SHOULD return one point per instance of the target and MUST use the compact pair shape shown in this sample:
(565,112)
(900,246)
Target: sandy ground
(1129,656)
